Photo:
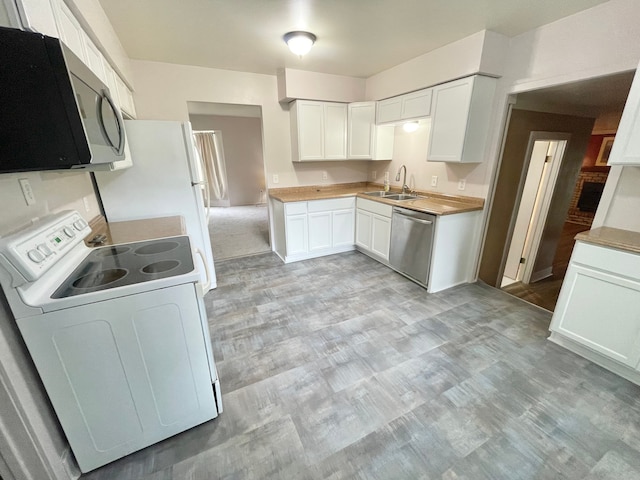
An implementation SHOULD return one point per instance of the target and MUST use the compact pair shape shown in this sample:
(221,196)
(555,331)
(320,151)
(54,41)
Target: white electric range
(118,334)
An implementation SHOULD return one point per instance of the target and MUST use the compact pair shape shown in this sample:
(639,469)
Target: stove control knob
(69,232)
(42,248)
(35,256)
(79,224)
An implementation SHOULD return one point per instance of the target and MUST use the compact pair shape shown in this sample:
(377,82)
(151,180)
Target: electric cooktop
(128,264)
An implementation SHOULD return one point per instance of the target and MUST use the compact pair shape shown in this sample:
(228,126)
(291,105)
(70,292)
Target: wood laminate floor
(545,292)
(339,368)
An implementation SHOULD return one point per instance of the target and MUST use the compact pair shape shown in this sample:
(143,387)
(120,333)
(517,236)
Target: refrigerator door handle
(207,285)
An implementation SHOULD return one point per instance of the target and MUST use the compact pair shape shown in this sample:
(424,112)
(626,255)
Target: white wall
(163,90)
(481,52)
(293,84)
(410,149)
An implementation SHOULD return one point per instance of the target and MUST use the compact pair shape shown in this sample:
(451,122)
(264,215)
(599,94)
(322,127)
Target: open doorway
(229,138)
(588,111)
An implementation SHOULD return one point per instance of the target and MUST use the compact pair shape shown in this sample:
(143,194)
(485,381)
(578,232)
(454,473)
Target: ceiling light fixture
(299,42)
(410,126)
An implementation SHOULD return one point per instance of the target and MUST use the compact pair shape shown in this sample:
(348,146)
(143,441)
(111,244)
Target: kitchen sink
(401,196)
(379,193)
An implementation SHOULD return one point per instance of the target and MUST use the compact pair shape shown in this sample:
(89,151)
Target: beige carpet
(239,231)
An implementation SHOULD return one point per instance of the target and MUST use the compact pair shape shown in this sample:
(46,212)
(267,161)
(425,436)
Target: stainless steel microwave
(55,113)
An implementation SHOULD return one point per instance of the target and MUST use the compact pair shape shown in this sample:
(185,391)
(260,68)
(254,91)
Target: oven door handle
(206,286)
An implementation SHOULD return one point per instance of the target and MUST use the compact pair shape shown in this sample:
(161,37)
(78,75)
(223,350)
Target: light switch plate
(374,175)
(434,181)
(276,179)
(462,184)
(324,175)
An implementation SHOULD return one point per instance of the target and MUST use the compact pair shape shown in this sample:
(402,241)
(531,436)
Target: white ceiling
(355,37)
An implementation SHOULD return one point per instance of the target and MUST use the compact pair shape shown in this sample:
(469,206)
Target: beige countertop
(136,230)
(431,202)
(612,237)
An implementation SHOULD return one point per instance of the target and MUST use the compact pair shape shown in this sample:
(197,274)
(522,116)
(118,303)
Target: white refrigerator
(166,179)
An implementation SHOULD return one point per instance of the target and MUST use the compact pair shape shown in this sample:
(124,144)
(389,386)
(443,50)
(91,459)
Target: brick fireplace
(581,209)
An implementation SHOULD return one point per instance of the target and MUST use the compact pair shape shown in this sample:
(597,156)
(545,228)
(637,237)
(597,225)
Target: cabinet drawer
(330,204)
(375,207)
(626,264)
(295,208)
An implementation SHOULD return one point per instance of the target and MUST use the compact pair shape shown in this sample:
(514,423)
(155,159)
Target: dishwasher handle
(413,219)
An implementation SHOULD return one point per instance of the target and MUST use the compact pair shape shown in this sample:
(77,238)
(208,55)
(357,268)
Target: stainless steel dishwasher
(411,242)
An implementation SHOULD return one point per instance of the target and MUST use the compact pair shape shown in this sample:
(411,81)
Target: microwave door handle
(120,147)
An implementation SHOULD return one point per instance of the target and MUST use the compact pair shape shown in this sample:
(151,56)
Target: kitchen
(576,47)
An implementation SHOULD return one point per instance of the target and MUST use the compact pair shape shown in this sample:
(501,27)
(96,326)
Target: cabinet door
(335,131)
(600,310)
(416,104)
(296,229)
(124,94)
(94,58)
(363,229)
(110,80)
(361,128)
(380,235)
(450,113)
(342,228)
(319,231)
(70,30)
(626,146)
(389,110)
(310,118)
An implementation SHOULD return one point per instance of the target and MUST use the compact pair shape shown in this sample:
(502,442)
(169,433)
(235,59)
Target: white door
(380,235)
(342,227)
(310,118)
(546,152)
(335,131)
(319,231)
(363,229)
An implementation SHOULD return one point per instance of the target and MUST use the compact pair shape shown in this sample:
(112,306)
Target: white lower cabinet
(312,229)
(373,228)
(598,314)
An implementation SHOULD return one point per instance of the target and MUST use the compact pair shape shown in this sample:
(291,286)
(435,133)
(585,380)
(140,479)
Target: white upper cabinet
(626,146)
(335,131)
(405,107)
(460,120)
(366,140)
(318,130)
(95,60)
(37,15)
(71,32)
(360,132)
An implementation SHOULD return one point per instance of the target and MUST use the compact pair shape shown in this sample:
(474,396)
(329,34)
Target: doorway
(545,154)
(230,136)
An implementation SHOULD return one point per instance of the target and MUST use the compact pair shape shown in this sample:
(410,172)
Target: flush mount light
(299,42)
(410,126)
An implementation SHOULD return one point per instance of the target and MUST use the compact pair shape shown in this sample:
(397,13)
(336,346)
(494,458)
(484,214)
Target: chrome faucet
(404,178)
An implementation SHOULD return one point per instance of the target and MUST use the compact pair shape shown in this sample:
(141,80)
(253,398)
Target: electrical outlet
(462,183)
(434,181)
(386,176)
(374,175)
(324,175)
(29,197)
(276,179)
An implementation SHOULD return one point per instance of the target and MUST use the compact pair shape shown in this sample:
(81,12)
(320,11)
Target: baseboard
(319,253)
(537,276)
(624,371)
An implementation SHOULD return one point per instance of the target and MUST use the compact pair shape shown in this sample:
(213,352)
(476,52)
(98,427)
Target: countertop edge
(626,240)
